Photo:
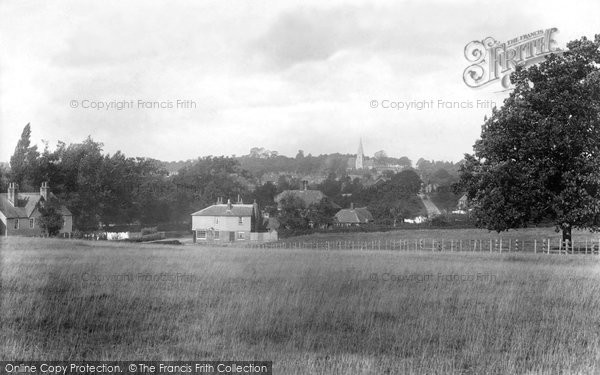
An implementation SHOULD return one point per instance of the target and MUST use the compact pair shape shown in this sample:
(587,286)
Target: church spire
(359,156)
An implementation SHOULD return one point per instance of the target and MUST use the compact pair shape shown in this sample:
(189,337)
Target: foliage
(51,219)
(393,200)
(539,155)
(321,214)
(23,160)
(265,197)
(292,212)
(445,200)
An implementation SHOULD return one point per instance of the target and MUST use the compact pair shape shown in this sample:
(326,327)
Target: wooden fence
(498,245)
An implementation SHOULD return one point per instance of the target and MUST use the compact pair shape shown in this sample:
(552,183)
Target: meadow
(523,234)
(308,311)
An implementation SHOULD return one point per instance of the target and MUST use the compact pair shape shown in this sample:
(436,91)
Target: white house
(229,223)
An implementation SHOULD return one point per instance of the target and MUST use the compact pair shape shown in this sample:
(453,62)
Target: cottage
(353,216)
(229,223)
(19,212)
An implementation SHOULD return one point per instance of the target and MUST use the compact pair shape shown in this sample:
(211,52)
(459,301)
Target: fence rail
(497,245)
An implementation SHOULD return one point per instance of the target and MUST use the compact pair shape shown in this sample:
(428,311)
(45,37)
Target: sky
(182,79)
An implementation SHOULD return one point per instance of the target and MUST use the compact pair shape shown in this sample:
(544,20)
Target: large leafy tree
(292,213)
(539,155)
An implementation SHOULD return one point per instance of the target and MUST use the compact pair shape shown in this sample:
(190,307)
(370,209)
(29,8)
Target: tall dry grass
(307,311)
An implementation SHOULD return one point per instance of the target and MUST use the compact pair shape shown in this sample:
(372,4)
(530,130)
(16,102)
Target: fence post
(516,245)
(560,244)
(500,245)
(535,246)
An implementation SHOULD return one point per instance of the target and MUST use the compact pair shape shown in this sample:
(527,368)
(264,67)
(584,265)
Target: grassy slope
(308,311)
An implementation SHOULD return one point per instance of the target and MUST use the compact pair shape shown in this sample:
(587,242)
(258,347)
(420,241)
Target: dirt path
(431,208)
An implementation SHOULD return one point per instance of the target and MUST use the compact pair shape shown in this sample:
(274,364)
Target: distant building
(229,223)
(462,207)
(463,202)
(353,216)
(431,188)
(19,212)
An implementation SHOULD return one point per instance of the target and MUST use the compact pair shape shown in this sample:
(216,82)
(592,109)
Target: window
(31,223)
(201,234)
(240,220)
(217,235)
(240,236)
(216,220)
(16,225)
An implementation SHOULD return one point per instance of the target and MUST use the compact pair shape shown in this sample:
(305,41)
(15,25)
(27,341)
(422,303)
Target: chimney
(229,206)
(240,201)
(304,185)
(219,200)
(44,190)
(13,193)
(352,205)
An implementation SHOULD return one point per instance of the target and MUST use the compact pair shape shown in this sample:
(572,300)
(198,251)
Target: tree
(539,155)
(381,156)
(51,219)
(321,214)
(292,213)
(23,161)
(405,162)
(265,195)
(4,176)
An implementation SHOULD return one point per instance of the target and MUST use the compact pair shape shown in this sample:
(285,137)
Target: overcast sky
(281,75)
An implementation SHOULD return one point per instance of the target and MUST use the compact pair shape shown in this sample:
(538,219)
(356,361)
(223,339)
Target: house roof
(356,215)
(221,210)
(27,203)
(308,196)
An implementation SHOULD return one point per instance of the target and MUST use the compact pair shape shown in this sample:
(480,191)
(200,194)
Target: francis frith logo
(493,61)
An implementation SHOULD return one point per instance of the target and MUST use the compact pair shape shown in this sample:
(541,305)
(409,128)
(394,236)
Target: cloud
(418,30)
(285,75)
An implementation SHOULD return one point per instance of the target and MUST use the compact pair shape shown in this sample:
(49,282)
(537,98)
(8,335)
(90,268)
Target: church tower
(359,156)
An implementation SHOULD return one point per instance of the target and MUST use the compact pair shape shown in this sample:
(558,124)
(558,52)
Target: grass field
(524,234)
(336,312)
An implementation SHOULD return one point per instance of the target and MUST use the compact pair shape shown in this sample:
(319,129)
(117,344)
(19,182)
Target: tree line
(101,189)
